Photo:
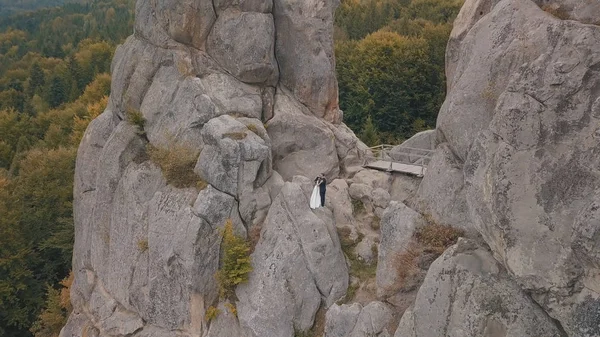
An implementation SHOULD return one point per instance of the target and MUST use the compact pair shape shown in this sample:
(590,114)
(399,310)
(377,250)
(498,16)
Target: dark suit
(322,188)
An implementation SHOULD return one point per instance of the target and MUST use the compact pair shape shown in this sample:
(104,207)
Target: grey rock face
(519,126)
(243,43)
(441,194)
(294,153)
(397,227)
(225,324)
(307,25)
(357,321)
(259,6)
(582,11)
(467,293)
(235,160)
(297,262)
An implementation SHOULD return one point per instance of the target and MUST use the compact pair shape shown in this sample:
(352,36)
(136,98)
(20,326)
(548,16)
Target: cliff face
(249,85)
(518,137)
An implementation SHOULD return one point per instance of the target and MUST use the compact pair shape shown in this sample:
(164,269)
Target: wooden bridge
(406,160)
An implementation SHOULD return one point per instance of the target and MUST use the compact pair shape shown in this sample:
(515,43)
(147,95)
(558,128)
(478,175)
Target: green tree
(37,80)
(369,135)
(57,92)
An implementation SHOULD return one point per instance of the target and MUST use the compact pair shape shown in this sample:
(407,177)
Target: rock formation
(519,133)
(244,94)
(248,87)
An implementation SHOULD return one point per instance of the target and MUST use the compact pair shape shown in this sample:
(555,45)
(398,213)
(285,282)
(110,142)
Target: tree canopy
(54,80)
(390,63)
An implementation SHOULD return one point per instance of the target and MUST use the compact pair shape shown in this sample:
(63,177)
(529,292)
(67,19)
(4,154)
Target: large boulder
(398,225)
(297,262)
(358,321)
(441,194)
(417,149)
(236,160)
(302,144)
(467,293)
(582,11)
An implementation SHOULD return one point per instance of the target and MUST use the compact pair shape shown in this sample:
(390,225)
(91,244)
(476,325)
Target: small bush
(407,263)
(231,308)
(142,245)
(235,135)
(428,242)
(436,237)
(136,118)
(236,264)
(211,313)
(177,163)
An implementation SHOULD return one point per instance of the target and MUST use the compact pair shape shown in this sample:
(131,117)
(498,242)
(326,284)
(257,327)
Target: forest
(10,7)
(55,78)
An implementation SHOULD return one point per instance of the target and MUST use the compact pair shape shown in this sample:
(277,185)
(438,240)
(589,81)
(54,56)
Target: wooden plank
(397,167)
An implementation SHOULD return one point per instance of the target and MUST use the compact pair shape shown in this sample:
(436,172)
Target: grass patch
(436,237)
(236,263)
(142,245)
(235,135)
(252,128)
(177,164)
(211,313)
(358,267)
(350,294)
(357,207)
(136,118)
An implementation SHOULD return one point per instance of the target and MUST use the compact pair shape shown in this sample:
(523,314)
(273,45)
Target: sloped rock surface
(297,262)
(467,293)
(397,227)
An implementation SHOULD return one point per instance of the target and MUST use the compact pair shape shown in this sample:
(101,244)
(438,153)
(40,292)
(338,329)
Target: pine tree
(57,92)
(37,79)
(369,135)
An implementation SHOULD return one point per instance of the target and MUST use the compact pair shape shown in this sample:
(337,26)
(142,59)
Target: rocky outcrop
(516,165)
(467,293)
(223,80)
(297,264)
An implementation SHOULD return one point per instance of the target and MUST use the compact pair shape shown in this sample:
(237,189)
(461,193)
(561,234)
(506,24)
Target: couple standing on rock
(317,198)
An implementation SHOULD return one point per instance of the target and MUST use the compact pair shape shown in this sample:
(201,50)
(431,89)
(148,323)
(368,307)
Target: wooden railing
(402,155)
